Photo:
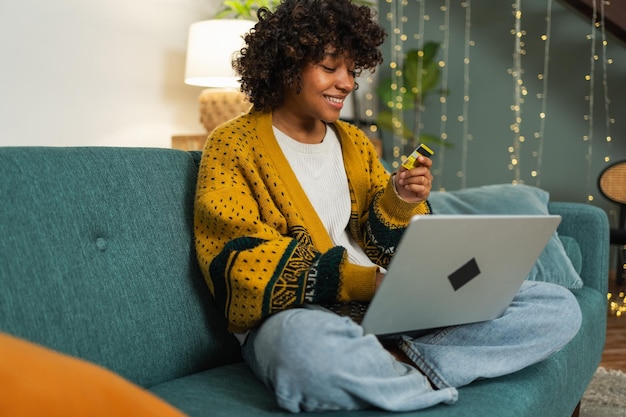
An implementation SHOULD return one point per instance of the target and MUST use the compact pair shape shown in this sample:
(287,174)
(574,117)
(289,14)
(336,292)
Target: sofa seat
(554,385)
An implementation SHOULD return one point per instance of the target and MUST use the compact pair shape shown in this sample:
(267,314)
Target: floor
(614,356)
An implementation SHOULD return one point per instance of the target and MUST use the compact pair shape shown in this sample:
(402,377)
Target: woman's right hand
(379,279)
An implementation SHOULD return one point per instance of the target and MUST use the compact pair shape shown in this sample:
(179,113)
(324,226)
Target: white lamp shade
(210,50)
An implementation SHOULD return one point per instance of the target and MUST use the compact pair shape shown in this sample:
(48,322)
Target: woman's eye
(329,69)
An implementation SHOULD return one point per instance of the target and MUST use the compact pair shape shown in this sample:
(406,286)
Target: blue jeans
(315,360)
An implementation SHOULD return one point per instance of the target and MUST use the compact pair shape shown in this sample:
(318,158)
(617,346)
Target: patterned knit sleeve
(387,220)
(383,216)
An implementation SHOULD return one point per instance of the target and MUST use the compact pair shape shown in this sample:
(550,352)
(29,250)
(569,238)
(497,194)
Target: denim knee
(293,355)
(567,312)
(560,307)
(281,338)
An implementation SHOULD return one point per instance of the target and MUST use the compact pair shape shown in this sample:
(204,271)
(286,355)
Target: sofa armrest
(589,225)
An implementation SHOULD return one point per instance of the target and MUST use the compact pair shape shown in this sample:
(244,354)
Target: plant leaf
(385,121)
(389,96)
(428,138)
(430,51)
(429,74)
(430,77)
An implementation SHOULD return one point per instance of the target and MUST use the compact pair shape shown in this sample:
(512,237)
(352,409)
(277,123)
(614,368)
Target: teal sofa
(97,261)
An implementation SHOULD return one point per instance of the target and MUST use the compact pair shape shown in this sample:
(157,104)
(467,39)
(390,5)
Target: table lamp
(210,50)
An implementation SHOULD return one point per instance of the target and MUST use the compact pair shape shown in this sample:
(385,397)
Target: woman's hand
(413,185)
(379,279)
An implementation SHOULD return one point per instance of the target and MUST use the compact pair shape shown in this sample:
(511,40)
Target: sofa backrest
(97,260)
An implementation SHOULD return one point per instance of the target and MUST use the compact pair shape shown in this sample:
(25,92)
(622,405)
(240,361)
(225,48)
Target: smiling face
(324,87)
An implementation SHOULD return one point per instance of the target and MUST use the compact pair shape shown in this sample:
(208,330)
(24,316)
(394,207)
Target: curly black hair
(298,33)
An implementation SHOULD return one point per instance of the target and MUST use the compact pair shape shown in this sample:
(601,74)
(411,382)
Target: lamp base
(218,105)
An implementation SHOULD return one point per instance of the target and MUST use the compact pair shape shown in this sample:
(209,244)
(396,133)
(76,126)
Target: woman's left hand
(413,185)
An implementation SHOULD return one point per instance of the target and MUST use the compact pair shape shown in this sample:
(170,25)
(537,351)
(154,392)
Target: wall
(565,171)
(97,72)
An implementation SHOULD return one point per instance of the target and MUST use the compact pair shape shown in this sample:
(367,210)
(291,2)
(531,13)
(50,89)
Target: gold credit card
(411,161)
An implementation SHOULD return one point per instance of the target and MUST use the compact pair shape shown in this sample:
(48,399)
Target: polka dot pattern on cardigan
(258,238)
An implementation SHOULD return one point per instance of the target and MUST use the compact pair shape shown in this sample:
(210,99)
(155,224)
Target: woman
(296,219)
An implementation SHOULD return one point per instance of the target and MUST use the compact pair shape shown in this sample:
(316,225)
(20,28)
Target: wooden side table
(189,142)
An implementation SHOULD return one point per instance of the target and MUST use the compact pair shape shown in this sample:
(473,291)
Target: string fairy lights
(591,97)
(419,36)
(398,37)
(397,19)
(519,92)
(464,118)
(597,22)
(443,98)
(528,129)
(617,303)
(369,102)
(543,96)
(609,120)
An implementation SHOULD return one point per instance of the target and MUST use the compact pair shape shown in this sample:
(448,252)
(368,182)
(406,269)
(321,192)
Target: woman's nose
(345,82)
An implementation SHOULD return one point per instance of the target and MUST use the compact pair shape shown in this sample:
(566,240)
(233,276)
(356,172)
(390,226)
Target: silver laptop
(456,269)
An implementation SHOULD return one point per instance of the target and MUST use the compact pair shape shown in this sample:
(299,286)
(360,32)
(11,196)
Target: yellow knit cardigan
(260,244)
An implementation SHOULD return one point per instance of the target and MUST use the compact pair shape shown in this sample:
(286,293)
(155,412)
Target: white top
(321,173)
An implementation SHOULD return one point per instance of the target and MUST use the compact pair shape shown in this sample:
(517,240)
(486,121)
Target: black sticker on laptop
(464,274)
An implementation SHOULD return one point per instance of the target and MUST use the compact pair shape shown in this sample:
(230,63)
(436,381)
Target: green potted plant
(420,78)
(244,9)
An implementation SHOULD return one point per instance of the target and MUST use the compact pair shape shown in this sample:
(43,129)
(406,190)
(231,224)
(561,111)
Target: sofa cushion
(553,264)
(572,249)
(40,382)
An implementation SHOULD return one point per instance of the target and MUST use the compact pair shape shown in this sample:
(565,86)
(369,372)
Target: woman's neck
(309,131)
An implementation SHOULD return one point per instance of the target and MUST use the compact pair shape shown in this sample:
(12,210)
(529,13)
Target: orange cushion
(35,381)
